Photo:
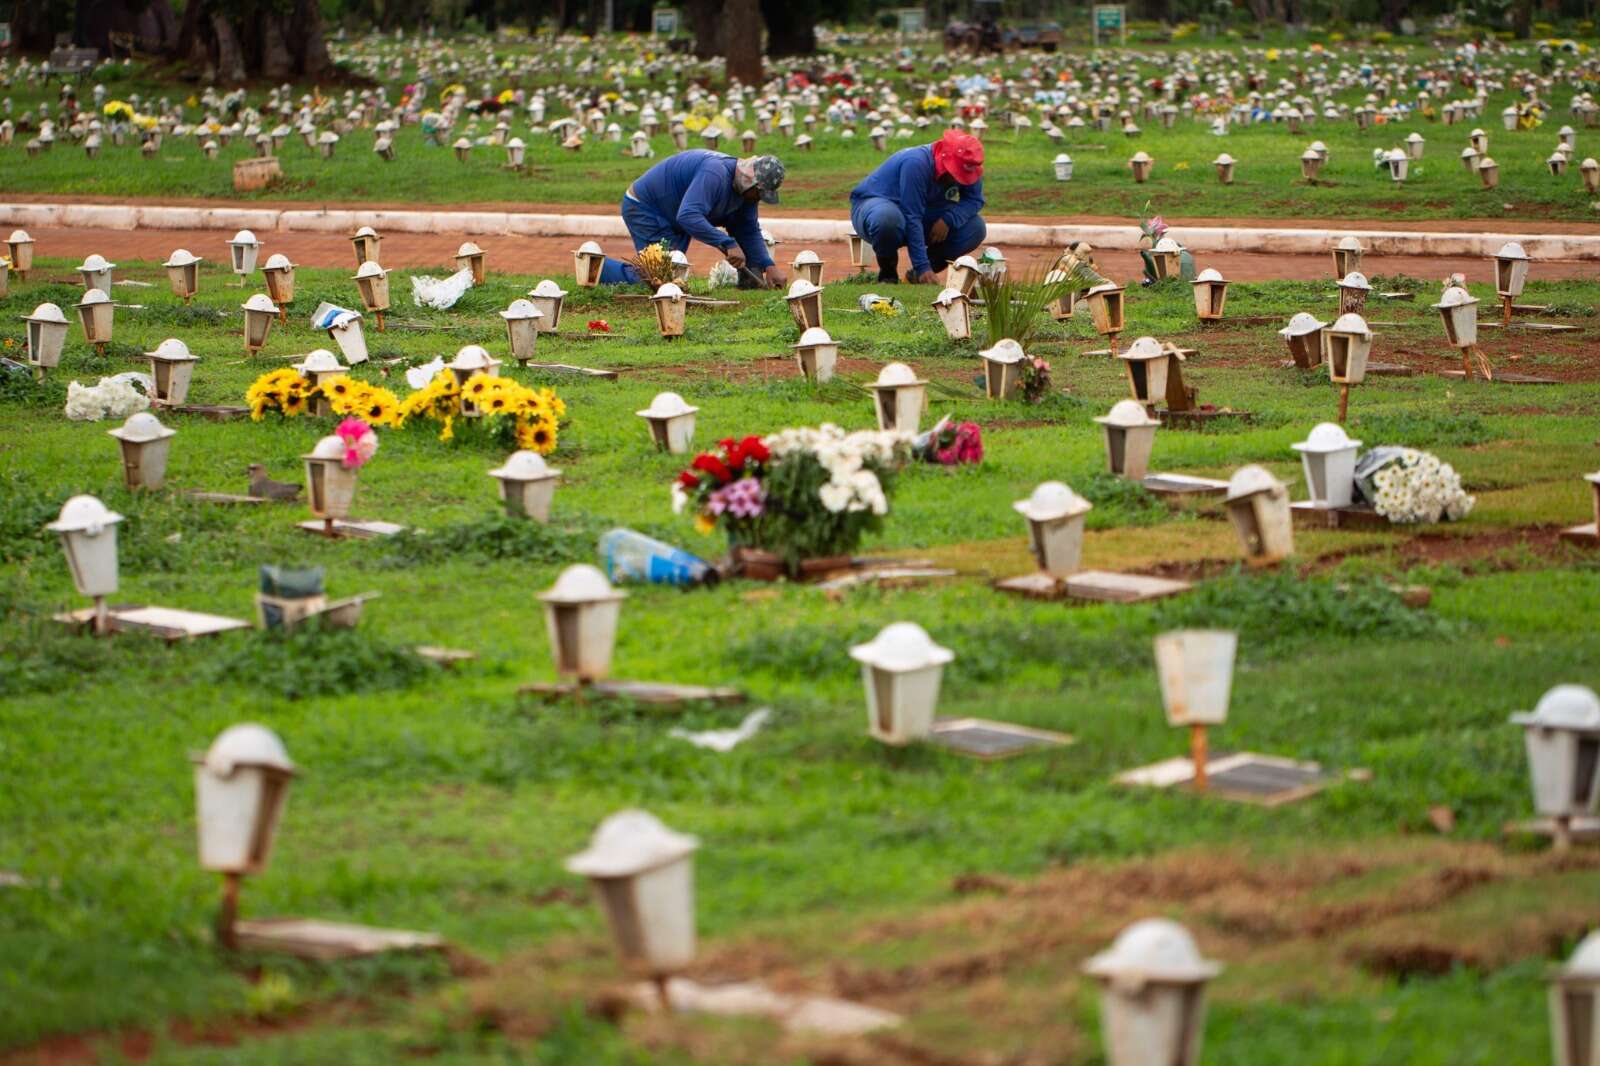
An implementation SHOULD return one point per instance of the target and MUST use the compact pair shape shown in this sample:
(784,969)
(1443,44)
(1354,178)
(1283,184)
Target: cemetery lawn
(1017,178)
(959,893)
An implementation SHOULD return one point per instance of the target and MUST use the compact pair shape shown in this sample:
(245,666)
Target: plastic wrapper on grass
(310,660)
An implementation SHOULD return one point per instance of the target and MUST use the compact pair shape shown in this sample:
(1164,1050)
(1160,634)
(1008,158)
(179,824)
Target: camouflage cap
(768,174)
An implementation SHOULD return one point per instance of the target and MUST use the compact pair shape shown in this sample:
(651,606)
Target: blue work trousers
(882,225)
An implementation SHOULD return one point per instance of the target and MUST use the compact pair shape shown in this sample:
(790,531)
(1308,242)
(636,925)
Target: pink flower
(360,443)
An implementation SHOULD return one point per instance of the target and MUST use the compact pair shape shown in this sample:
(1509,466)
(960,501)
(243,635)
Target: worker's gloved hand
(776,278)
(938,232)
(735,257)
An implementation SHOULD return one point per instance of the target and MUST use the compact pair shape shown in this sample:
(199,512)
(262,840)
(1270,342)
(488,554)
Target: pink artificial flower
(360,443)
(1158,226)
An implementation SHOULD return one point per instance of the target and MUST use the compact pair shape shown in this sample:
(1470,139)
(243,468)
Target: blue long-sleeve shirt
(694,190)
(907,178)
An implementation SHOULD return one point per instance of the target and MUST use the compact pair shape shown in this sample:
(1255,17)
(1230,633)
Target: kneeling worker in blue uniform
(705,196)
(926,200)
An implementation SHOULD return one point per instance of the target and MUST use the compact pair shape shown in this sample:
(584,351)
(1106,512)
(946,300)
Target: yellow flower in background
(1180,166)
(449,430)
(506,96)
(704,523)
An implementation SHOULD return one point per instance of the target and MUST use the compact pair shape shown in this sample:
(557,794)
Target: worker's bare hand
(735,257)
(776,278)
(938,232)
(926,278)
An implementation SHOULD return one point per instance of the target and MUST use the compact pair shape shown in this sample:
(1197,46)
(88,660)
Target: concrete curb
(495,223)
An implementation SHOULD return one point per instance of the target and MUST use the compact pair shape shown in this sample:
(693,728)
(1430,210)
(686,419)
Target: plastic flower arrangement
(503,411)
(654,264)
(360,442)
(932,104)
(113,397)
(376,404)
(801,493)
(1409,486)
(118,110)
(950,444)
(283,391)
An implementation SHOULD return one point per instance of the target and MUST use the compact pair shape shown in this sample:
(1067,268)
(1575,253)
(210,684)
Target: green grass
(438,800)
(1018,177)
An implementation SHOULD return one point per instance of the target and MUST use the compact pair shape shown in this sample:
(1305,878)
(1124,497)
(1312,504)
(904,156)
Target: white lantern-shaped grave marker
(1575,1006)
(1003,369)
(1224,164)
(1258,505)
(858,248)
(547,297)
(1130,436)
(805,303)
(240,786)
(1414,145)
(89,540)
(470,257)
(1167,255)
(808,265)
(96,273)
(145,444)
(1347,255)
(1459,311)
(963,275)
(1353,290)
(1562,737)
(643,876)
(527,485)
(1329,459)
(1310,165)
(1469,159)
(1148,364)
(1590,170)
(1488,172)
(373,282)
(47,334)
(516,153)
(588,261)
(680,266)
(1398,164)
(183,273)
(954,308)
(320,366)
(671,306)
(1152,999)
(1106,309)
(1140,164)
(171,367)
(330,485)
(522,329)
(327,141)
(671,422)
(243,250)
(471,359)
(1480,140)
(19,249)
(365,241)
(1510,275)
(581,611)
(899,397)
(901,668)
(1055,517)
(95,313)
(259,314)
(818,354)
(1195,668)
(278,273)
(1063,167)
(1210,295)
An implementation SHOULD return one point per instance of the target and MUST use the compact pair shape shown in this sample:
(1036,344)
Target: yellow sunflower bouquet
(283,391)
(499,409)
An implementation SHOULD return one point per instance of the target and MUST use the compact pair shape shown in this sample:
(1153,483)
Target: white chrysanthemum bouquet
(1408,486)
(113,397)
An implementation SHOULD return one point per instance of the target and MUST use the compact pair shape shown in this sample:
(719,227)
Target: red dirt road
(552,255)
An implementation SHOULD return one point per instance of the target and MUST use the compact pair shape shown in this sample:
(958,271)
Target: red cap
(960,155)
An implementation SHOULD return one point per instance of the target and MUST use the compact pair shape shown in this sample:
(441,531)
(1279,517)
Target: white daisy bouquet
(1408,486)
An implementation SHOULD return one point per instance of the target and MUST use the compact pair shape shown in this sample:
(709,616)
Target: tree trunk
(1522,18)
(743,41)
(226,50)
(705,17)
(791,27)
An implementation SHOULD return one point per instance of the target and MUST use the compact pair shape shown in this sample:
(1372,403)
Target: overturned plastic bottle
(628,555)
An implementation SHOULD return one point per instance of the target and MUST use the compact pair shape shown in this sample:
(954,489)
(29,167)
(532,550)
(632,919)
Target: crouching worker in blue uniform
(926,200)
(709,197)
